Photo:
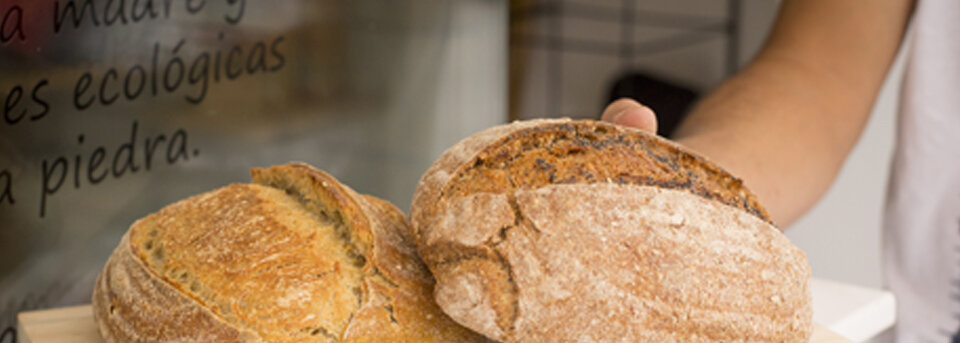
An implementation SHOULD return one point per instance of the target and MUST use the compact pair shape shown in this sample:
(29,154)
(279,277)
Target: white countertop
(855,312)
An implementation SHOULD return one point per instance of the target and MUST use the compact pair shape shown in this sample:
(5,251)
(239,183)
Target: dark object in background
(670,101)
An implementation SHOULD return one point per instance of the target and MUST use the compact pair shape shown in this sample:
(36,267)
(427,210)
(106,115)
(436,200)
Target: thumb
(628,112)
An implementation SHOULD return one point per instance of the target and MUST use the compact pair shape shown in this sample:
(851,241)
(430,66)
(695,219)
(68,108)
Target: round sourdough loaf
(583,231)
(294,257)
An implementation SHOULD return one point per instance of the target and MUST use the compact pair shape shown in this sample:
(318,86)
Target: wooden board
(824,335)
(75,325)
(68,324)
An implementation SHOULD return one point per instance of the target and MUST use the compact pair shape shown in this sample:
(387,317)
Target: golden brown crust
(297,257)
(533,153)
(132,304)
(470,216)
(444,168)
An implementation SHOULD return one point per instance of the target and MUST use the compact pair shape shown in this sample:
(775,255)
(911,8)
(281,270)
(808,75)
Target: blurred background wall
(114,109)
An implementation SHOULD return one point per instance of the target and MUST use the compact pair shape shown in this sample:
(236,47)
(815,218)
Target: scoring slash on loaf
(583,231)
(294,257)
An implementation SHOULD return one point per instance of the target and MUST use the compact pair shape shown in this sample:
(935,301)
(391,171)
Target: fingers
(628,112)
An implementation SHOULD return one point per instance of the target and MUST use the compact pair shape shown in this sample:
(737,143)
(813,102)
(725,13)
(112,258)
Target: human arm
(787,121)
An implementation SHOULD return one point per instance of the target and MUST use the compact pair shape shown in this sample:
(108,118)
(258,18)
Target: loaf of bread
(293,257)
(582,231)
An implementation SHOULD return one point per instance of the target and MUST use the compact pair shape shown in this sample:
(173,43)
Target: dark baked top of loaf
(570,152)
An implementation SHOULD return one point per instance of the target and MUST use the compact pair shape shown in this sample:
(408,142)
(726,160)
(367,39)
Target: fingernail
(616,117)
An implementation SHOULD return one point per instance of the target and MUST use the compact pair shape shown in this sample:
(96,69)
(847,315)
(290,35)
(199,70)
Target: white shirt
(922,224)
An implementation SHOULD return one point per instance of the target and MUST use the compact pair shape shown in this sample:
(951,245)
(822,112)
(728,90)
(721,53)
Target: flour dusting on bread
(587,231)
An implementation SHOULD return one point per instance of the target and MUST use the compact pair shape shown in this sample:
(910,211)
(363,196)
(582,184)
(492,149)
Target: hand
(628,112)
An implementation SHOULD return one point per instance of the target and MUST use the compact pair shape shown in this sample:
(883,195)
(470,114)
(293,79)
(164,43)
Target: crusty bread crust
(626,263)
(445,167)
(133,304)
(524,227)
(534,153)
(297,257)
